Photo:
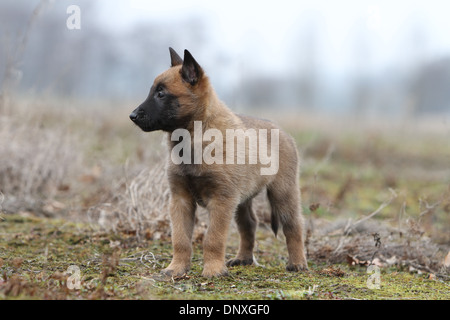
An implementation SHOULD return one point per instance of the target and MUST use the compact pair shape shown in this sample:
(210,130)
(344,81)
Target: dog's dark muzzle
(141,119)
(134,116)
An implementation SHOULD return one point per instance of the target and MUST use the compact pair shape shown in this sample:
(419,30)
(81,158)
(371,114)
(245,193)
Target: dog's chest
(202,188)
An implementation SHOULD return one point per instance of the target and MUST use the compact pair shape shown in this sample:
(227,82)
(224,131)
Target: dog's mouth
(143,122)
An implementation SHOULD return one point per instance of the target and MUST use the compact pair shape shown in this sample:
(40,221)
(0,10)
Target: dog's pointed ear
(191,70)
(175,59)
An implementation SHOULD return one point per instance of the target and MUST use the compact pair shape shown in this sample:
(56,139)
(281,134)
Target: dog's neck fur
(214,113)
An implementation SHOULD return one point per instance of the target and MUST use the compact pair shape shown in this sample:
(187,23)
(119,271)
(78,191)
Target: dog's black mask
(161,109)
(158,111)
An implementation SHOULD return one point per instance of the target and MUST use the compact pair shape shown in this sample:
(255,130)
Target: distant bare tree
(361,60)
(430,88)
(89,62)
(12,74)
(307,62)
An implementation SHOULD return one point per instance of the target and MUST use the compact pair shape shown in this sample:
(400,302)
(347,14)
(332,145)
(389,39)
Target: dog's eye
(159,92)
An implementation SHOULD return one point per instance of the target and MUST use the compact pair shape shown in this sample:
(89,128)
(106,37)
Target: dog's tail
(275,214)
(274,221)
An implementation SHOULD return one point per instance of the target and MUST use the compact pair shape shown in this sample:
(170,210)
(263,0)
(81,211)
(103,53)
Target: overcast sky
(270,27)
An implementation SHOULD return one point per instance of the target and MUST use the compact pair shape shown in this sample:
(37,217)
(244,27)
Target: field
(84,202)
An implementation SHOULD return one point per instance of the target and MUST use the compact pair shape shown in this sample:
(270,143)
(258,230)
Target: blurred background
(354,57)
(362,86)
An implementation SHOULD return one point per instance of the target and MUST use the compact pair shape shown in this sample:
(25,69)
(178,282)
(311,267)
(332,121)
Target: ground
(37,254)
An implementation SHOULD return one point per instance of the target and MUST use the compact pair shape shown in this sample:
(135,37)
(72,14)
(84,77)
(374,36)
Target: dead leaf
(332,271)
(63,187)
(17,262)
(353,261)
(148,234)
(313,207)
(182,277)
(447,260)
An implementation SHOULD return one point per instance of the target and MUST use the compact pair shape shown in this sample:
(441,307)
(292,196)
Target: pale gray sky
(271,27)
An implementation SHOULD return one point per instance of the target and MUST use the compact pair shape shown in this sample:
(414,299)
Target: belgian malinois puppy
(182,101)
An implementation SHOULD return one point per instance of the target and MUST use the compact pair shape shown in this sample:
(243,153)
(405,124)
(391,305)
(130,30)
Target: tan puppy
(223,175)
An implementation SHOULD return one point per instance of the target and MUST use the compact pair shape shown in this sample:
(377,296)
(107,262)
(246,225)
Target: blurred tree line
(39,54)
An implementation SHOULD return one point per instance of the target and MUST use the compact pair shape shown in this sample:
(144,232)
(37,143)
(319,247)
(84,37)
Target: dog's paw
(239,262)
(215,271)
(297,267)
(175,271)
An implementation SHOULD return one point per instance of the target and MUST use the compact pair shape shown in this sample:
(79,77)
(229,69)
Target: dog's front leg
(182,216)
(220,215)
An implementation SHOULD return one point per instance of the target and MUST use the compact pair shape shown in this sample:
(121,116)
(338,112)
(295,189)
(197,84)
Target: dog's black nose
(133,116)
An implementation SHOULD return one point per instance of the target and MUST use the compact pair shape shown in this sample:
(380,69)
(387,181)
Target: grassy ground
(36,255)
(87,189)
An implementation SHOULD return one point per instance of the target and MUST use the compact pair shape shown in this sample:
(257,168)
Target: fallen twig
(380,208)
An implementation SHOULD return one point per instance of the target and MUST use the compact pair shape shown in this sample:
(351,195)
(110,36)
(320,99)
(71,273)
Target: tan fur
(226,190)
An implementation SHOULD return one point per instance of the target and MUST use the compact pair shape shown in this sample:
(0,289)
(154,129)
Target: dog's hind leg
(285,204)
(246,222)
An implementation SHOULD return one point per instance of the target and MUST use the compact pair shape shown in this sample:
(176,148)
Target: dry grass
(35,160)
(141,207)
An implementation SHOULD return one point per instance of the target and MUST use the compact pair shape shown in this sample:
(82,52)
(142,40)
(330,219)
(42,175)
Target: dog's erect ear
(175,59)
(191,70)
